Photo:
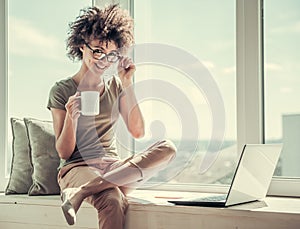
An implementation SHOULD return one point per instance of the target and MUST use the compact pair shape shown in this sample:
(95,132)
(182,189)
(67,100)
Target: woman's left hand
(126,68)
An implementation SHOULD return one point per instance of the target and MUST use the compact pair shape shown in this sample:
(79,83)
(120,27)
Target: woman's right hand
(73,106)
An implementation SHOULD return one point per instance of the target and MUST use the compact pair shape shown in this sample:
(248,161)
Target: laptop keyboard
(212,198)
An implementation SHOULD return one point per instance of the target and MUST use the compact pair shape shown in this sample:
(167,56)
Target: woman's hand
(72,106)
(126,68)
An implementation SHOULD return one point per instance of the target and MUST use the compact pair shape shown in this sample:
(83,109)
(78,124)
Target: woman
(91,168)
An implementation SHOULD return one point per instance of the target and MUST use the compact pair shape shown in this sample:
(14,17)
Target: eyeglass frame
(105,55)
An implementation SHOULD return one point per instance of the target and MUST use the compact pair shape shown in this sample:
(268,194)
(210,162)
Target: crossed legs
(103,192)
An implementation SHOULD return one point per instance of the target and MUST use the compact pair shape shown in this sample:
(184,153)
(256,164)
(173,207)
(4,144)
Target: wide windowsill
(271,204)
(149,209)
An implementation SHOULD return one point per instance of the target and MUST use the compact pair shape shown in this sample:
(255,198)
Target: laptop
(251,179)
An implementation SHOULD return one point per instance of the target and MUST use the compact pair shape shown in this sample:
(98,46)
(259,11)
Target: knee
(168,149)
(116,204)
(112,200)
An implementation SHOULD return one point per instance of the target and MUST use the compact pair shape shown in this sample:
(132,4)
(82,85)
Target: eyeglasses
(111,57)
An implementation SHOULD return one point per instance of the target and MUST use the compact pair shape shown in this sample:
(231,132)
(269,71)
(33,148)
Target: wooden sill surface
(159,199)
(150,210)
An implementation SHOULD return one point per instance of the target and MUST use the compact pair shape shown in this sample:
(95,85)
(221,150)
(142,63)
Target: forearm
(129,106)
(135,120)
(66,141)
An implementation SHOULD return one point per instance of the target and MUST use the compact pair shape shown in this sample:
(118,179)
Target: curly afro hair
(109,24)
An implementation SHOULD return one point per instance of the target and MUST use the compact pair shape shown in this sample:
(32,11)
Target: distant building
(290,155)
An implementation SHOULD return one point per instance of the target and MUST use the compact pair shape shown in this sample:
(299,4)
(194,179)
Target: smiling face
(91,53)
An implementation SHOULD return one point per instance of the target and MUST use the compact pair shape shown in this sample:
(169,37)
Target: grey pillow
(44,157)
(21,168)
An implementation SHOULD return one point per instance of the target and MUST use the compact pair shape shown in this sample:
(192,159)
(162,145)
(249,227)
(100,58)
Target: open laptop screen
(254,173)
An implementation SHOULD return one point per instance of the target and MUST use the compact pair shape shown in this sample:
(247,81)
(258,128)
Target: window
(36,56)
(282,82)
(37,52)
(213,43)
(176,103)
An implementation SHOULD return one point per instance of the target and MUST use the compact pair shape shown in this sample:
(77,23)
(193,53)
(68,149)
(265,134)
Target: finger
(121,62)
(76,96)
(76,114)
(71,103)
(75,105)
(130,70)
(127,62)
(75,111)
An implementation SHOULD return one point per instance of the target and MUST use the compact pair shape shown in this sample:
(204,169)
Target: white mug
(90,103)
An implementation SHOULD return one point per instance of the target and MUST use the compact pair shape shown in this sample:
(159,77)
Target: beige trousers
(111,204)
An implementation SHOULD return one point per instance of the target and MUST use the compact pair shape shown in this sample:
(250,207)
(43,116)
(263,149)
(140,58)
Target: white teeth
(100,67)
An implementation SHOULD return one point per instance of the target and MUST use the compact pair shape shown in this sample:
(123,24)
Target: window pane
(282,81)
(175,105)
(37,54)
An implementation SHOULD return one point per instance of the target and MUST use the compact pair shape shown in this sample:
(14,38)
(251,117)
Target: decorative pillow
(21,168)
(44,157)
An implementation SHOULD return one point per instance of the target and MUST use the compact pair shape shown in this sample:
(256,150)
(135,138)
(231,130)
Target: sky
(282,58)
(204,29)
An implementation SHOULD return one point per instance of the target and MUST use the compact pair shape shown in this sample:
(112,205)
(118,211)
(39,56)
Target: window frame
(3,90)
(250,90)
(250,94)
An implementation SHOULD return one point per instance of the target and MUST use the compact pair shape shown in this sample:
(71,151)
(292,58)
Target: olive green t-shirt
(95,135)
